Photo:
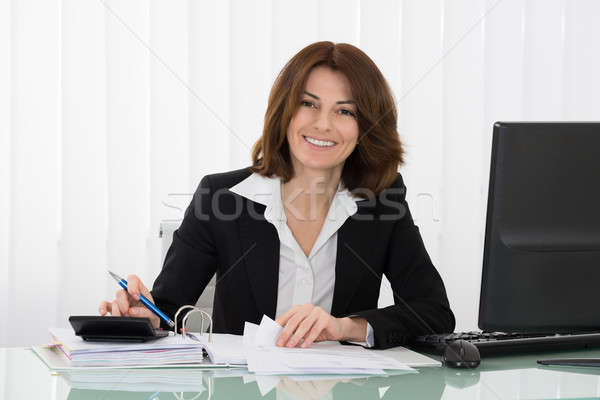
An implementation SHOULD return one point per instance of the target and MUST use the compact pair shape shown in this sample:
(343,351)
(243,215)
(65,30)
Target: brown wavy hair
(374,162)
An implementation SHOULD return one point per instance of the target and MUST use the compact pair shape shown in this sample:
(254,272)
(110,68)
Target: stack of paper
(321,358)
(256,349)
(174,349)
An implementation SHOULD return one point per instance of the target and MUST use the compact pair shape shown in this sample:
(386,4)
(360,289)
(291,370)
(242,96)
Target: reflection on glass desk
(24,376)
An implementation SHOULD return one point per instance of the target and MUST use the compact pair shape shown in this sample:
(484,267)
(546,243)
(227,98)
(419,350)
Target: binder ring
(202,314)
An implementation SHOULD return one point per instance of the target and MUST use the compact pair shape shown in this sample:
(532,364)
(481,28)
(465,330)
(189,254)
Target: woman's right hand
(128,304)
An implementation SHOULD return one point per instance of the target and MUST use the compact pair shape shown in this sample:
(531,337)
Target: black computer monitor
(541,264)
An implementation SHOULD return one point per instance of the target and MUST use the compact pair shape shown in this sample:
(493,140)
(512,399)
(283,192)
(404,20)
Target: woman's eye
(347,112)
(307,103)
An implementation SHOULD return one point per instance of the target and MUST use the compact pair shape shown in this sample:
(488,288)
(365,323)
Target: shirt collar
(267,191)
(257,188)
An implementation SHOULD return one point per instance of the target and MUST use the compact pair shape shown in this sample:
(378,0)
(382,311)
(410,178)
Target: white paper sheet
(320,358)
(250,330)
(267,333)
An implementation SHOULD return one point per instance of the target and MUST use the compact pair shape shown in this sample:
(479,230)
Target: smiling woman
(306,233)
(333,88)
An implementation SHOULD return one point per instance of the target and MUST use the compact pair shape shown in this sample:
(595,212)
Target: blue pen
(123,283)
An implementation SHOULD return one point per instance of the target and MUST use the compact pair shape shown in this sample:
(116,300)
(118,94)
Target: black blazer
(227,234)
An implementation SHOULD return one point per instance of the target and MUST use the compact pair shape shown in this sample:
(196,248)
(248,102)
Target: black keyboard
(499,343)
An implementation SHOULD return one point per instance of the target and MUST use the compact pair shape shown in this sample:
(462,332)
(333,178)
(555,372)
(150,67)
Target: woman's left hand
(311,323)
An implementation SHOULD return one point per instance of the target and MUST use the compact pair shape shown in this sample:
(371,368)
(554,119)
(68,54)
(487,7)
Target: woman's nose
(323,122)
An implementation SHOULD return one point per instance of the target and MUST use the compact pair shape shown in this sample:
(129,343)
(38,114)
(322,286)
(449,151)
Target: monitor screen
(541,266)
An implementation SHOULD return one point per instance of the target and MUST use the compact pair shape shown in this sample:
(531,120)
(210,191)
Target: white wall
(107,107)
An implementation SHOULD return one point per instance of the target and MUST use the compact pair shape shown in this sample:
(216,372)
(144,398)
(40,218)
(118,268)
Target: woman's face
(324,130)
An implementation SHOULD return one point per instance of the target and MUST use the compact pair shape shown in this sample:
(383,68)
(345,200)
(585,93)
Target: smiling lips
(319,143)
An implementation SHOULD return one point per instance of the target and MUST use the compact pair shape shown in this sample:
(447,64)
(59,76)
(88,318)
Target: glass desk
(24,376)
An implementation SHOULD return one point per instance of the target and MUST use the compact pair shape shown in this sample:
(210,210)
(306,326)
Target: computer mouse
(461,354)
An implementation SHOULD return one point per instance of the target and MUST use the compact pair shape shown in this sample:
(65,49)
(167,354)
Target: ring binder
(202,315)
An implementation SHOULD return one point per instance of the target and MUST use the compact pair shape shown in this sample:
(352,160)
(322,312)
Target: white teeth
(321,143)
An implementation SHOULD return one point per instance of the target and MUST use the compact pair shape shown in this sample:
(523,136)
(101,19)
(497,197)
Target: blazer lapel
(353,243)
(260,244)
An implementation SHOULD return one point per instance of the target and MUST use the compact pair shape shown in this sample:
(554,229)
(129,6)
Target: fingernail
(132,311)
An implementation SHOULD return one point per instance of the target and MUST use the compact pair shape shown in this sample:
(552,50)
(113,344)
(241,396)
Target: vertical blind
(111,109)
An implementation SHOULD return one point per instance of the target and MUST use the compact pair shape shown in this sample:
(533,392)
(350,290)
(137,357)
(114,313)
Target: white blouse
(302,279)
